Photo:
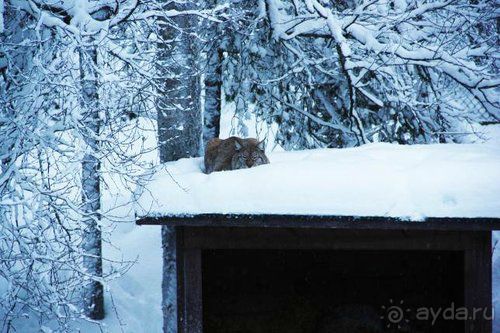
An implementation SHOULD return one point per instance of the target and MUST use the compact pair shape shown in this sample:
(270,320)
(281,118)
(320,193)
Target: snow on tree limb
(54,156)
(379,46)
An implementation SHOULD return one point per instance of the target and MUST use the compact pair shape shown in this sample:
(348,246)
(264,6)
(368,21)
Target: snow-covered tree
(91,188)
(77,81)
(78,78)
(218,41)
(178,107)
(52,124)
(213,83)
(350,72)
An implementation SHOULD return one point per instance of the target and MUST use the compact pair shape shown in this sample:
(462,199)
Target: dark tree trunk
(179,112)
(179,130)
(213,90)
(169,281)
(93,300)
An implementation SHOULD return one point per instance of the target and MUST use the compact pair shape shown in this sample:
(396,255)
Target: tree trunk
(179,113)
(179,129)
(93,301)
(169,281)
(213,90)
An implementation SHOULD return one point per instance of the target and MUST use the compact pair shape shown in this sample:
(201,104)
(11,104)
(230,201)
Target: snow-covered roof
(410,182)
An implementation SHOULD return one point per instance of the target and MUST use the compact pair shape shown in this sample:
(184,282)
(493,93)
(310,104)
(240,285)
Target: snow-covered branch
(375,48)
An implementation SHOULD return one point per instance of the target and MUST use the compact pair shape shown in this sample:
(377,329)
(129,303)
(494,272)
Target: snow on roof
(411,182)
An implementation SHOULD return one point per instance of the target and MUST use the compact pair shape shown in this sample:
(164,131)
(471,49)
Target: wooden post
(192,301)
(477,283)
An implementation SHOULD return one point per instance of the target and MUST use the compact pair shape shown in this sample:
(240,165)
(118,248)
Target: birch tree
(91,240)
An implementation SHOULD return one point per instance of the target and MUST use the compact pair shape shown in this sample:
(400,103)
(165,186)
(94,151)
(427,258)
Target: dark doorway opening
(329,290)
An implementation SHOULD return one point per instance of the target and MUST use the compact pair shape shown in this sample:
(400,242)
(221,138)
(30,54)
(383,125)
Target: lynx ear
(262,145)
(237,145)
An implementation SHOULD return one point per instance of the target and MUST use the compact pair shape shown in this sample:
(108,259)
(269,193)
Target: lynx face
(248,154)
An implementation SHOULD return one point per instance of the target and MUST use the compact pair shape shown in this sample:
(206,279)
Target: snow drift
(410,182)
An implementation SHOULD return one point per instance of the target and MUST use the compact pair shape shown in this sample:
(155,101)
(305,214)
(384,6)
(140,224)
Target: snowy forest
(95,93)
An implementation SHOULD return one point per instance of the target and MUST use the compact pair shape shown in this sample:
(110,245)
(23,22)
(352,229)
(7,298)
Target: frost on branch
(76,85)
(344,73)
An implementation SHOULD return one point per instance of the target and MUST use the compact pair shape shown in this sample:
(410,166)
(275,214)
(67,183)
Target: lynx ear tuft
(237,145)
(262,145)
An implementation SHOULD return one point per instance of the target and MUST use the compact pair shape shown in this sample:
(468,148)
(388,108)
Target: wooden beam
(323,221)
(281,238)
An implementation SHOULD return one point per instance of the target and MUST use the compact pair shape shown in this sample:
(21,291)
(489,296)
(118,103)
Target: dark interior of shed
(329,290)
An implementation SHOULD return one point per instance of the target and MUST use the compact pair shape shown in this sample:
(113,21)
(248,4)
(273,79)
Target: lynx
(234,153)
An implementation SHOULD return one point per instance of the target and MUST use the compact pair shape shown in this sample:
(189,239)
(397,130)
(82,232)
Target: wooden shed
(285,273)
(380,238)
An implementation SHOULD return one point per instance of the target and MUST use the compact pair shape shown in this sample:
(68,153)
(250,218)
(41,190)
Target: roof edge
(322,221)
